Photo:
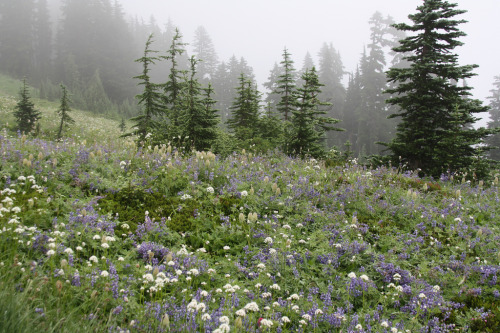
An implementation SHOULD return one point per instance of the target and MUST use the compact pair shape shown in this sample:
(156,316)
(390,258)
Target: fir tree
(199,118)
(25,112)
(245,110)
(286,86)
(63,112)
(204,50)
(174,85)
(122,125)
(273,98)
(309,123)
(435,133)
(150,99)
(494,140)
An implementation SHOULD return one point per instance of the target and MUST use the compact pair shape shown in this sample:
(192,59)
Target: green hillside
(98,235)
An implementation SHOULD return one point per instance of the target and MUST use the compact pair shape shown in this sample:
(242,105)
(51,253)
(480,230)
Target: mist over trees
(99,54)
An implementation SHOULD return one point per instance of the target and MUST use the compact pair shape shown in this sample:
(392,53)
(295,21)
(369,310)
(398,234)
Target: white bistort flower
(351,275)
(252,306)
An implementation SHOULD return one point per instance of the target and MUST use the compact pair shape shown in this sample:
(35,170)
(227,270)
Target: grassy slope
(87,126)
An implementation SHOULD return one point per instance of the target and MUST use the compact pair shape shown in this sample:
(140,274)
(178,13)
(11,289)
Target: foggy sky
(258,30)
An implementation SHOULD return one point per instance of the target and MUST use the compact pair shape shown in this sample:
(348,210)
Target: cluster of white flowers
(275,287)
(194,306)
(210,190)
(186,196)
(252,306)
(231,289)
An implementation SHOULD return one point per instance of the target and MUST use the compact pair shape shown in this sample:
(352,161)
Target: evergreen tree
(272,99)
(352,111)
(331,73)
(63,112)
(174,85)
(286,87)
(494,140)
(42,57)
(373,124)
(150,99)
(199,118)
(271,129)
(122,125)
(245,110)
(307,64)
(309,123)
(204,50)
(223,92)
(435,133)
(25,112)
(95,97)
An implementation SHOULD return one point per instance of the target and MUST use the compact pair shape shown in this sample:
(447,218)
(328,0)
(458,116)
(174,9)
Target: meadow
(98,235)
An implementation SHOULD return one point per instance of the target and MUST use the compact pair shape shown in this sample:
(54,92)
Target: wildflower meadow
(97,235)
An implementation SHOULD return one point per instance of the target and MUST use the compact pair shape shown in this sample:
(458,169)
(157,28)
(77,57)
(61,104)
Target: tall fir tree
(25,112)
(150,99)
(309,121)
(204,50)
(199,119)
(352,112)
(42,56)
(245,110)
(223,92)
(172,88)
(272,98)
(373,124)
(287,87)
(494,123)
(435,133)
(63,112)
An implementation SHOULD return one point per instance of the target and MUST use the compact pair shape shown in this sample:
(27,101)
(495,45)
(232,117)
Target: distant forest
(91,47)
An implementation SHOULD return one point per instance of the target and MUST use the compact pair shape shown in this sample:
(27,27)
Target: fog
(259,29)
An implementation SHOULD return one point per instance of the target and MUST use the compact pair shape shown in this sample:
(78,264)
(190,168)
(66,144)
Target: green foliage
(245,110)
(435,135)
(150,99)
(26,114)
(63,112)
(308,124)
(199,119)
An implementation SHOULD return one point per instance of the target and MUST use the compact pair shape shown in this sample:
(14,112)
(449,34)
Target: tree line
(204,102)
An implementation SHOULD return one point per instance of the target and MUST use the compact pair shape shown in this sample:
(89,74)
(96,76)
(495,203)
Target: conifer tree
(309,123)
(122,125)
(204,50)
(494,140)
(63,112)
(245,110)
(25,112)
(150,99)
(199,118)
(272,99)
(435,133)
(286,86)
(172,88)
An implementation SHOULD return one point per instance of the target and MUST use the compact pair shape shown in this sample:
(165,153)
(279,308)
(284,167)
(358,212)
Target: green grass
(97,235)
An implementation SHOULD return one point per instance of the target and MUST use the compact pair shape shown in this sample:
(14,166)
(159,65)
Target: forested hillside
(90,46)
